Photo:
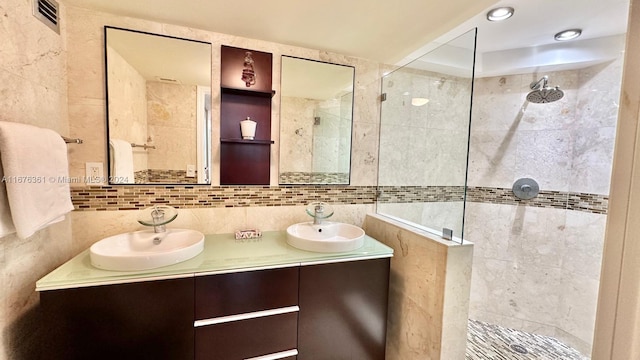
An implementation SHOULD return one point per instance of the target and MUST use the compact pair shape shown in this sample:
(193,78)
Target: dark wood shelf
(241,164)
(247,92)
(245,141)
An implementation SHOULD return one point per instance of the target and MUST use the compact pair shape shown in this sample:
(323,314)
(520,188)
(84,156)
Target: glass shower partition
(424,138)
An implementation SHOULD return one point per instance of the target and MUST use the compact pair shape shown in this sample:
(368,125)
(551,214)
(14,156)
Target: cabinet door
(343,310)
(147,320)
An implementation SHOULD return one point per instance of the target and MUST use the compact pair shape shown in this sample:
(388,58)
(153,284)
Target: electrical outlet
(94,172)
(191,171)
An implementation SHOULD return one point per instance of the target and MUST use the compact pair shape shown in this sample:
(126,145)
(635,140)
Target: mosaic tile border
(406,194)
(314,178)
(593,203)
(160,176)
(132,197)
(102,198)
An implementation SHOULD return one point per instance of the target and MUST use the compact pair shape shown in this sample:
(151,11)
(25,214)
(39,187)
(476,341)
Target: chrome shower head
(542,93)
(545,95)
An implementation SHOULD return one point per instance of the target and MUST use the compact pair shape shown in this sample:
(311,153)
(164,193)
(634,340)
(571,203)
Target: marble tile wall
(129,115)
(425,146)
(171,111)
(428,292)
(296,134)
(416,135)
(326,137)
(33,91)
(566,145)
(538,268)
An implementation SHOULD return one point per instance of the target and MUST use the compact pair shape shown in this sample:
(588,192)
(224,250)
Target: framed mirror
(316,117)
(158,108)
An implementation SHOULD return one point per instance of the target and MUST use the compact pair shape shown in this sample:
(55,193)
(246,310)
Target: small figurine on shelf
(248,128)
(248,73)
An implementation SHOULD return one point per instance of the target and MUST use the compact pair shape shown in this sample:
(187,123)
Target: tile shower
(537,263)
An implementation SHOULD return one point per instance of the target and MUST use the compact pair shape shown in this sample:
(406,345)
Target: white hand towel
(35,169)
(121,162)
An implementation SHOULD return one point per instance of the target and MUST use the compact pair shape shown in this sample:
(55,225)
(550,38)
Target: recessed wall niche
(245,81)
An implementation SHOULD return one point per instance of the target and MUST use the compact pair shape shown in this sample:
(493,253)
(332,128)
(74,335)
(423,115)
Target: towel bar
(71,141)
(145,146)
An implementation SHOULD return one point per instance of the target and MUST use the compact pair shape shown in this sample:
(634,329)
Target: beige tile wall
(428,292)
(33,91)
(128,111)
(171,110)
(537,267)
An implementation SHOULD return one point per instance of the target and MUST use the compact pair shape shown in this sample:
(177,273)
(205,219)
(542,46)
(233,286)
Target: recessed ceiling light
(419,101)
(499,14)
(568,34)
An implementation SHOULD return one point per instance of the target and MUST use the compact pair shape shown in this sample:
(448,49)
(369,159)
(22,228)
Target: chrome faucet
(157,216)
(318,212)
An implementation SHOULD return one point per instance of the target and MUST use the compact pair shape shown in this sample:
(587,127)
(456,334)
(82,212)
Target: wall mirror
(158,108)
(316,114)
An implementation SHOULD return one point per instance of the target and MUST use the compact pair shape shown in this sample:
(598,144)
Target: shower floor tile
(492,342)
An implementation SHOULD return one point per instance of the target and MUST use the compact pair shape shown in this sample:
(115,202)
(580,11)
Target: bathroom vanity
(239,299)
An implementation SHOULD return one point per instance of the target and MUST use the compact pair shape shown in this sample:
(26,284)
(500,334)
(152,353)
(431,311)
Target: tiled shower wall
(537,268)
(423,149)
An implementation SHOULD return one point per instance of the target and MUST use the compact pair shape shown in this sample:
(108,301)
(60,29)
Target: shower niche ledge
(245,92)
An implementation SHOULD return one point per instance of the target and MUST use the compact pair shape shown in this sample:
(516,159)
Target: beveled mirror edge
(352,104)
(109,177)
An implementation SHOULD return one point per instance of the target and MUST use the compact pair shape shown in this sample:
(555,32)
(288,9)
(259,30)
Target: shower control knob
(525,188)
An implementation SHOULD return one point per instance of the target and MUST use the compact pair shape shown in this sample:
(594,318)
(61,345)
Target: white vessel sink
(327,237)
(143,250)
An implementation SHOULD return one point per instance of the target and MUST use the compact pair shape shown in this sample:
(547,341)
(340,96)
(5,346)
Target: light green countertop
(222,254)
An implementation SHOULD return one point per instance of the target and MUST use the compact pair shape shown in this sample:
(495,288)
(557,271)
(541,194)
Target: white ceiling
(373,29)
(524,43)
(401,30)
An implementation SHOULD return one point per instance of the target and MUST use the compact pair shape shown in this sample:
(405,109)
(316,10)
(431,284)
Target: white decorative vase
(248,128)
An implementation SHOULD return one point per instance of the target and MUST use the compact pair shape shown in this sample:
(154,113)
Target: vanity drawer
(245,292)
(247,339)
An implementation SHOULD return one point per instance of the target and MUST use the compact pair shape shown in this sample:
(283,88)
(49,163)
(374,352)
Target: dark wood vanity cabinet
(343,310)
(247,314)
(327,311)
(145,320)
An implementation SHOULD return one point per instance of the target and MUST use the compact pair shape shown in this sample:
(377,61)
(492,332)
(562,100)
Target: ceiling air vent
(47,12)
